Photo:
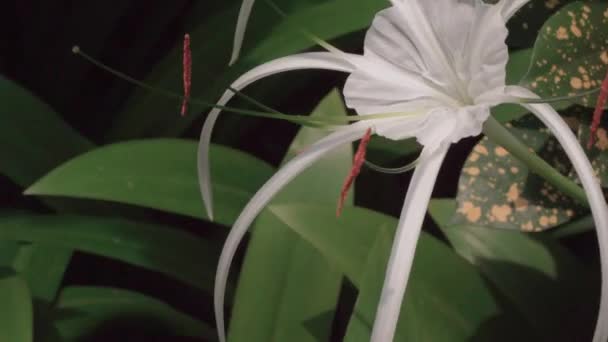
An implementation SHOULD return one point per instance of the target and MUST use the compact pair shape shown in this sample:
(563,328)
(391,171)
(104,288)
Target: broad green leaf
(522,267)
(275,299)
(498,190)
(33,140)
(32,136)
(423,317)
(82,311)
(571,53)
(16,314)
(42,265)
(177,254)
(158,174)
(211,49)
(438,304)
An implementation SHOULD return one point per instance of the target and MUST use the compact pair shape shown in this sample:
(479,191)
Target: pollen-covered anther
(187,73)
(599,110)
(358,162)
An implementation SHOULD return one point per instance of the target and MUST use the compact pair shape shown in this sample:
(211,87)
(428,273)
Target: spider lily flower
(438,67)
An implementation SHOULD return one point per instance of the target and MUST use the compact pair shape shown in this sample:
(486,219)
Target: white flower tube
(404,244)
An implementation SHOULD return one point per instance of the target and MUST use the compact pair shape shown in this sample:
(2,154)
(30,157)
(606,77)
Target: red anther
(599,110)
(187,73)
(358,161)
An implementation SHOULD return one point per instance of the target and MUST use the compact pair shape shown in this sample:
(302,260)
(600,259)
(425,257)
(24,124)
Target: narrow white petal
(260,200)
(508,8)
(404,245)
(594,195)
(312,60)
(241,26)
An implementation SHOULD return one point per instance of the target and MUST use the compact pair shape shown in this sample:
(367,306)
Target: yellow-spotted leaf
(571,53)
(497,190)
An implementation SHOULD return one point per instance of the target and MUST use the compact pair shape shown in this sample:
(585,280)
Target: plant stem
(500,135)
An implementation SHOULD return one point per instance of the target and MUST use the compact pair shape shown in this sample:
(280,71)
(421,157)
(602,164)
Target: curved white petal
(241,26)
(508,8)
(404,245)
(583,168)
(312,60)
(261,199)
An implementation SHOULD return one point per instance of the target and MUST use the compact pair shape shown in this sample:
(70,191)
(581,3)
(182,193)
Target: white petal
(430,50)
(261,199)
(595,197)
(312,60)
(241,26)
(486,54)
(508,8)
(404,245)
(412,19)
(377,86)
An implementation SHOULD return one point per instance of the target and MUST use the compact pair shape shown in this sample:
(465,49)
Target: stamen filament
(557,98)
(393,171)
(320,122)
(187,74)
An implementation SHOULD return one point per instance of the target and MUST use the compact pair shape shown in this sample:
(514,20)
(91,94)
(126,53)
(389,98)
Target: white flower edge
(508,9)
(241,26)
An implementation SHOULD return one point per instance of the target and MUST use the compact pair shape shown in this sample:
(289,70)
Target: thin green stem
(500,135)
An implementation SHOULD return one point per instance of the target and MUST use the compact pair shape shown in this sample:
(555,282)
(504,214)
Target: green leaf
(498,190)
(43,267)
(16,314)
(82,311)
(441,284)
(571,53)
(33,140)
(32,136)
(279,262)
(527,22)
(533,272)
(159,174)
(161,249)
(425,308)
(211,48)
(582,225)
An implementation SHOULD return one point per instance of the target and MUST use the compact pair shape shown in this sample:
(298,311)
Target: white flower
(438,66)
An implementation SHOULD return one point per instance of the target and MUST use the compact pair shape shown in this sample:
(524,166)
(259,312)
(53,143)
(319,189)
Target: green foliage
(116,173)
(290,307)
(16,315)
(82,310)
(518,265)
